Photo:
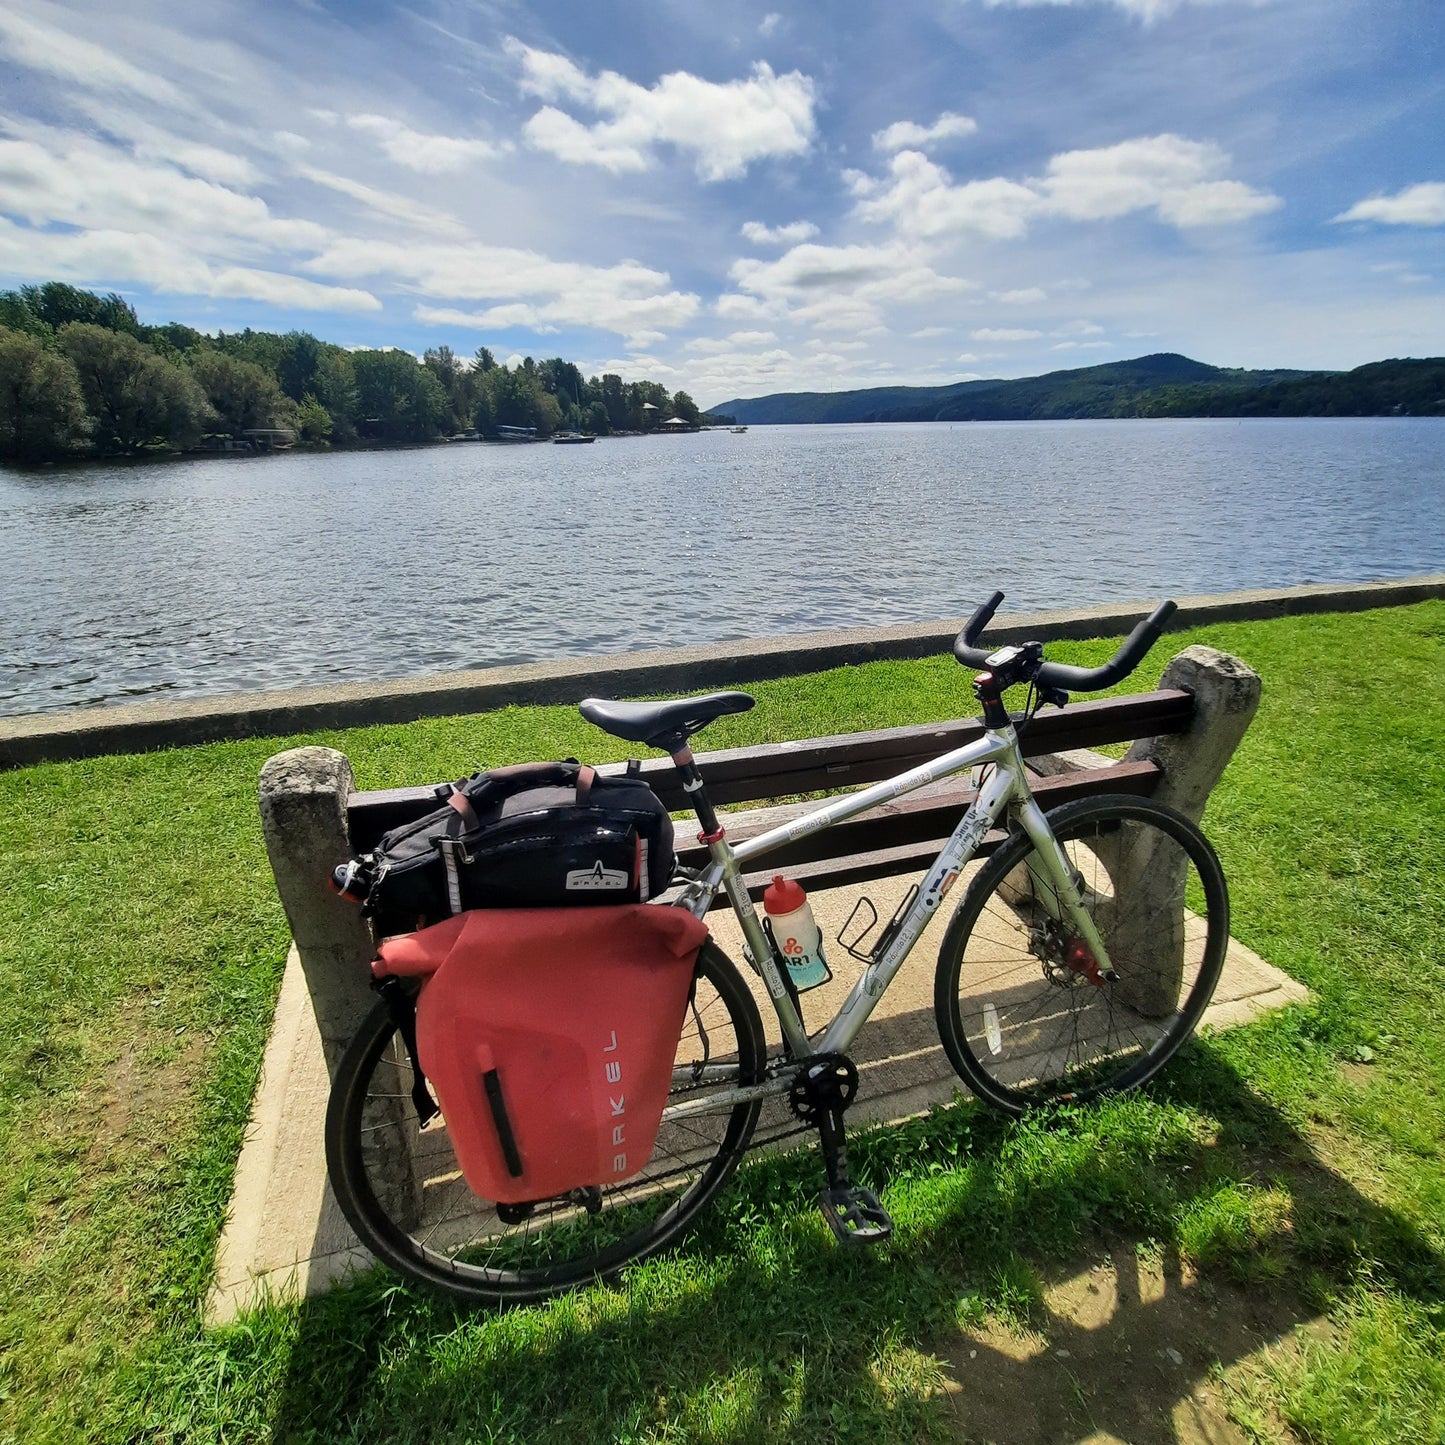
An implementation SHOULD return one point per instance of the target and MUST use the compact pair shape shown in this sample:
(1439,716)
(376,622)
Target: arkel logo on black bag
(596,877)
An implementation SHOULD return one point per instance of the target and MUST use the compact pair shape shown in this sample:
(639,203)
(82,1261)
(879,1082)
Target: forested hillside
(80,375)
(1161,385)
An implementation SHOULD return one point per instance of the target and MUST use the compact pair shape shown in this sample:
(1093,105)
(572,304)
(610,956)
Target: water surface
(227,574)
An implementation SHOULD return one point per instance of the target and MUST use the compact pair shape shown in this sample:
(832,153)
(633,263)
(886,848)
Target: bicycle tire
(431,1229)
(1021,1016)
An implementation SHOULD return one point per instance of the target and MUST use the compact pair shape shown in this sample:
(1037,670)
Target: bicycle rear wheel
(1025,1013)
(402,1191)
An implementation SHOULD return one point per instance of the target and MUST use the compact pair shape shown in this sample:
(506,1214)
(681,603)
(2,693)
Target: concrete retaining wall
(92,732)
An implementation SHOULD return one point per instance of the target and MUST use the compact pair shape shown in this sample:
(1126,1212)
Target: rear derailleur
(820,1095)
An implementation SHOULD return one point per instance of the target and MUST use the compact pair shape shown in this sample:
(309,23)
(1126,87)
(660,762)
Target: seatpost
(696,790)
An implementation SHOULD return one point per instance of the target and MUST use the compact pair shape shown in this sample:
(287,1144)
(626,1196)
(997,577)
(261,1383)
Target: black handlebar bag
(538,835)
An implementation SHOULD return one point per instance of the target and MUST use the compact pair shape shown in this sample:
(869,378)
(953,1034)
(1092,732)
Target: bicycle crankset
(823,1089)
(828,1081)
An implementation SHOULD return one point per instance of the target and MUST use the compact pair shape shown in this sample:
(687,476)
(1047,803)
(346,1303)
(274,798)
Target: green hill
(1164,384)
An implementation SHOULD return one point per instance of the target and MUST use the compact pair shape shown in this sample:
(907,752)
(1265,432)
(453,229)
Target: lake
(209,576)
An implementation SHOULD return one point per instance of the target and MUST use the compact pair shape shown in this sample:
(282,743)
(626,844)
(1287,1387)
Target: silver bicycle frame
(1006,789)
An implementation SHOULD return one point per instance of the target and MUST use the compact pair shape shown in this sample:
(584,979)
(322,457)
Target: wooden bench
(898,837)
(1181,737)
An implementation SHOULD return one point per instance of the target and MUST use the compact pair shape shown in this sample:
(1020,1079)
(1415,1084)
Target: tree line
(81,375)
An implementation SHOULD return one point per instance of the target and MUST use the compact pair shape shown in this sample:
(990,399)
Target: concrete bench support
(303,820)
(1226,695)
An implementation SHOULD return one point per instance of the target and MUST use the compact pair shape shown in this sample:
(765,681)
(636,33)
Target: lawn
(1298,1160)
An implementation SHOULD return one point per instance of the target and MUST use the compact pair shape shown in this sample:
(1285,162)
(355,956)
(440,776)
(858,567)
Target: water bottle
(789,918)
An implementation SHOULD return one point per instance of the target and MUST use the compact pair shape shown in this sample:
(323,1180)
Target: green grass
(141,946)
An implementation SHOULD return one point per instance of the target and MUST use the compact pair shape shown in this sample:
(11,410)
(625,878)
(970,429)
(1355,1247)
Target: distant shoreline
(1162,385)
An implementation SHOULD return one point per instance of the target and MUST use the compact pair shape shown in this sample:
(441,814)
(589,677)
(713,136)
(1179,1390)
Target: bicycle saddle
(665,725)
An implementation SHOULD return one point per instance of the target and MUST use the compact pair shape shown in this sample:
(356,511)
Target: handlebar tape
(1062,674)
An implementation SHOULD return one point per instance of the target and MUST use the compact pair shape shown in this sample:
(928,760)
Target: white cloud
(816,279)
(108,258)
(420,151)
(1079,328)
(1167,172)
(81,62)
(834,288)
(732,306)
(1005,333)
(923,202)
(929,331)
(907,134)
(769,23)
(1420,205)
(1176,178)
(289,291)
(1024,296)
(390,204)
(789,235)
(61,178)
(725,126)
(1216,203)
(527,289)
(1081,346)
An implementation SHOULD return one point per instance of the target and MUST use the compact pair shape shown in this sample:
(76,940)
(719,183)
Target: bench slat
(906,821)
(737,775)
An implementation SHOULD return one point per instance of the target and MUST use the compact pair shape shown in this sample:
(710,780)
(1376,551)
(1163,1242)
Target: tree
(173,341)
(42,414)
(136,400)
(240,393)
(336,391)
(685,407)
(396,397)
(57,305)
(313,421)
(16,314)
(296,366)
(615,400)
(455,379)
(485,360)
(594,420)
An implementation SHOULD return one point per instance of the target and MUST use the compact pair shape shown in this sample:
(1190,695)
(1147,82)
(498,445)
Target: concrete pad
(286,1236)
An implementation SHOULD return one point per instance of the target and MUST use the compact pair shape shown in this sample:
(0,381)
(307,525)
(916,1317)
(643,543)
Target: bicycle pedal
(855,1215)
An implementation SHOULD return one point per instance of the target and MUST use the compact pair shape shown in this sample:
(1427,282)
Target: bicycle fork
(1060,888)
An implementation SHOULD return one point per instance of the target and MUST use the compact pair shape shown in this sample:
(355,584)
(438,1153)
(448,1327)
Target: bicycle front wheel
(1026,1014)
(402,1191)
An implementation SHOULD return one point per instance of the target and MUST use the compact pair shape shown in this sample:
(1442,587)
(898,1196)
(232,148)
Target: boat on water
(572,441)
(737,430)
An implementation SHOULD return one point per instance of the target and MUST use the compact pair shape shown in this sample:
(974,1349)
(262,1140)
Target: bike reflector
(549,1037)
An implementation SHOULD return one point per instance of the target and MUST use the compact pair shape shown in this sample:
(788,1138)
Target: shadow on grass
(760,1328)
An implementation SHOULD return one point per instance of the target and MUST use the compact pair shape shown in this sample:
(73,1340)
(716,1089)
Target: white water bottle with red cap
(790,920)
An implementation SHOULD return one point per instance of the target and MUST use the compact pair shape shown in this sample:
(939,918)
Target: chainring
(827,1082)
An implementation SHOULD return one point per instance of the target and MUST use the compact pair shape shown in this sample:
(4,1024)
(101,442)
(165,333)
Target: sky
(736,198)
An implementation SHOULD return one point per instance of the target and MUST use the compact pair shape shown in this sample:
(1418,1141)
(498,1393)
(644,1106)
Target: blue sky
(738,198)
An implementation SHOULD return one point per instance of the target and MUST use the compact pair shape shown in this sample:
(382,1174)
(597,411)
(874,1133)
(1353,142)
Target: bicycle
(1080,958)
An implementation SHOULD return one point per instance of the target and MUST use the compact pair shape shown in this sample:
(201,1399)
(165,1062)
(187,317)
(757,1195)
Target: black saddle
(665,725)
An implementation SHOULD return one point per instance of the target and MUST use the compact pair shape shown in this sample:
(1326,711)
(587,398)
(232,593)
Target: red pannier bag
(549,1035)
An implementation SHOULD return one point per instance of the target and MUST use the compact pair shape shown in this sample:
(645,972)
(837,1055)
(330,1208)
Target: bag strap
(463,805)
(402,1009)
(585,778)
